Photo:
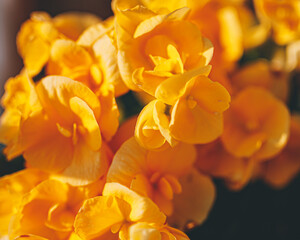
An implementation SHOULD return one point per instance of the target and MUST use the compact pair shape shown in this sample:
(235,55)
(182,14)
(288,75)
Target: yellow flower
(253,33)
(100,40)
(188,110)
(19,100)
(283,16)
(231,26)
(256,125)
(154,47)
(214,160)
(91,60)
(12,189)
(131,216)
(74,61)
(68,126)
(152,126)
(152,232)
(37,34)
(197,116)
(124,208)
(152,173)
(278,172)
(260,73)
(49,209)
(193,204)
(73,24)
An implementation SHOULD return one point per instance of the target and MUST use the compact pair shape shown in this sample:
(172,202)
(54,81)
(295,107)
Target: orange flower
(131,216)
(150,173)
(189,110)
(67,126)
(49,209)
(91,60)
(152,126)
(73,24)
(220,23)
(283,16)
(216,18)
(261,74)
(167,178)
(19,100)
(193,204)
(12,189)
(74,61)
(279,171)
(100,40)
(37,34)
(197,116)
(151,50)
(256,125)
(213,159)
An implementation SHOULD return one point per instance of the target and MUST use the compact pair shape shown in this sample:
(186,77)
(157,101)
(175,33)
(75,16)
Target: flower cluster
(93,173)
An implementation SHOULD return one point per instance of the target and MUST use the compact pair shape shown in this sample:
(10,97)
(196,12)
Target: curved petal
(97,216)
(12,189)
(142,209)
(86,167)
(194,125)
(195,201)
(106,53)
(72,24)
(33,211)
(174,87)
(257,128)
(197,115)
(176,160)
(44,147)
(109,119)
(128,161)
(55,93)
(86,116)
(92,34)
(147,132)
(67,53)
(33,41)
(145,231)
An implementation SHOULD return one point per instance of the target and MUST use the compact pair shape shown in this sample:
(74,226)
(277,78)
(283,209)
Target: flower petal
(55,93)
(128,161)
(86,116)
(195,201)
(97,216)
(87,165)
(141,209)
(44,147)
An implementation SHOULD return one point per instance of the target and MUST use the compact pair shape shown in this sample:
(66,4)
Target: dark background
(257,212)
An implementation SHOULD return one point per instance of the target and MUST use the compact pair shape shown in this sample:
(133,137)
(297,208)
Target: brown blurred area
(14,12)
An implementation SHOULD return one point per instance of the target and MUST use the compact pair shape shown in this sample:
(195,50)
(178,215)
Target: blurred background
(257,212)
